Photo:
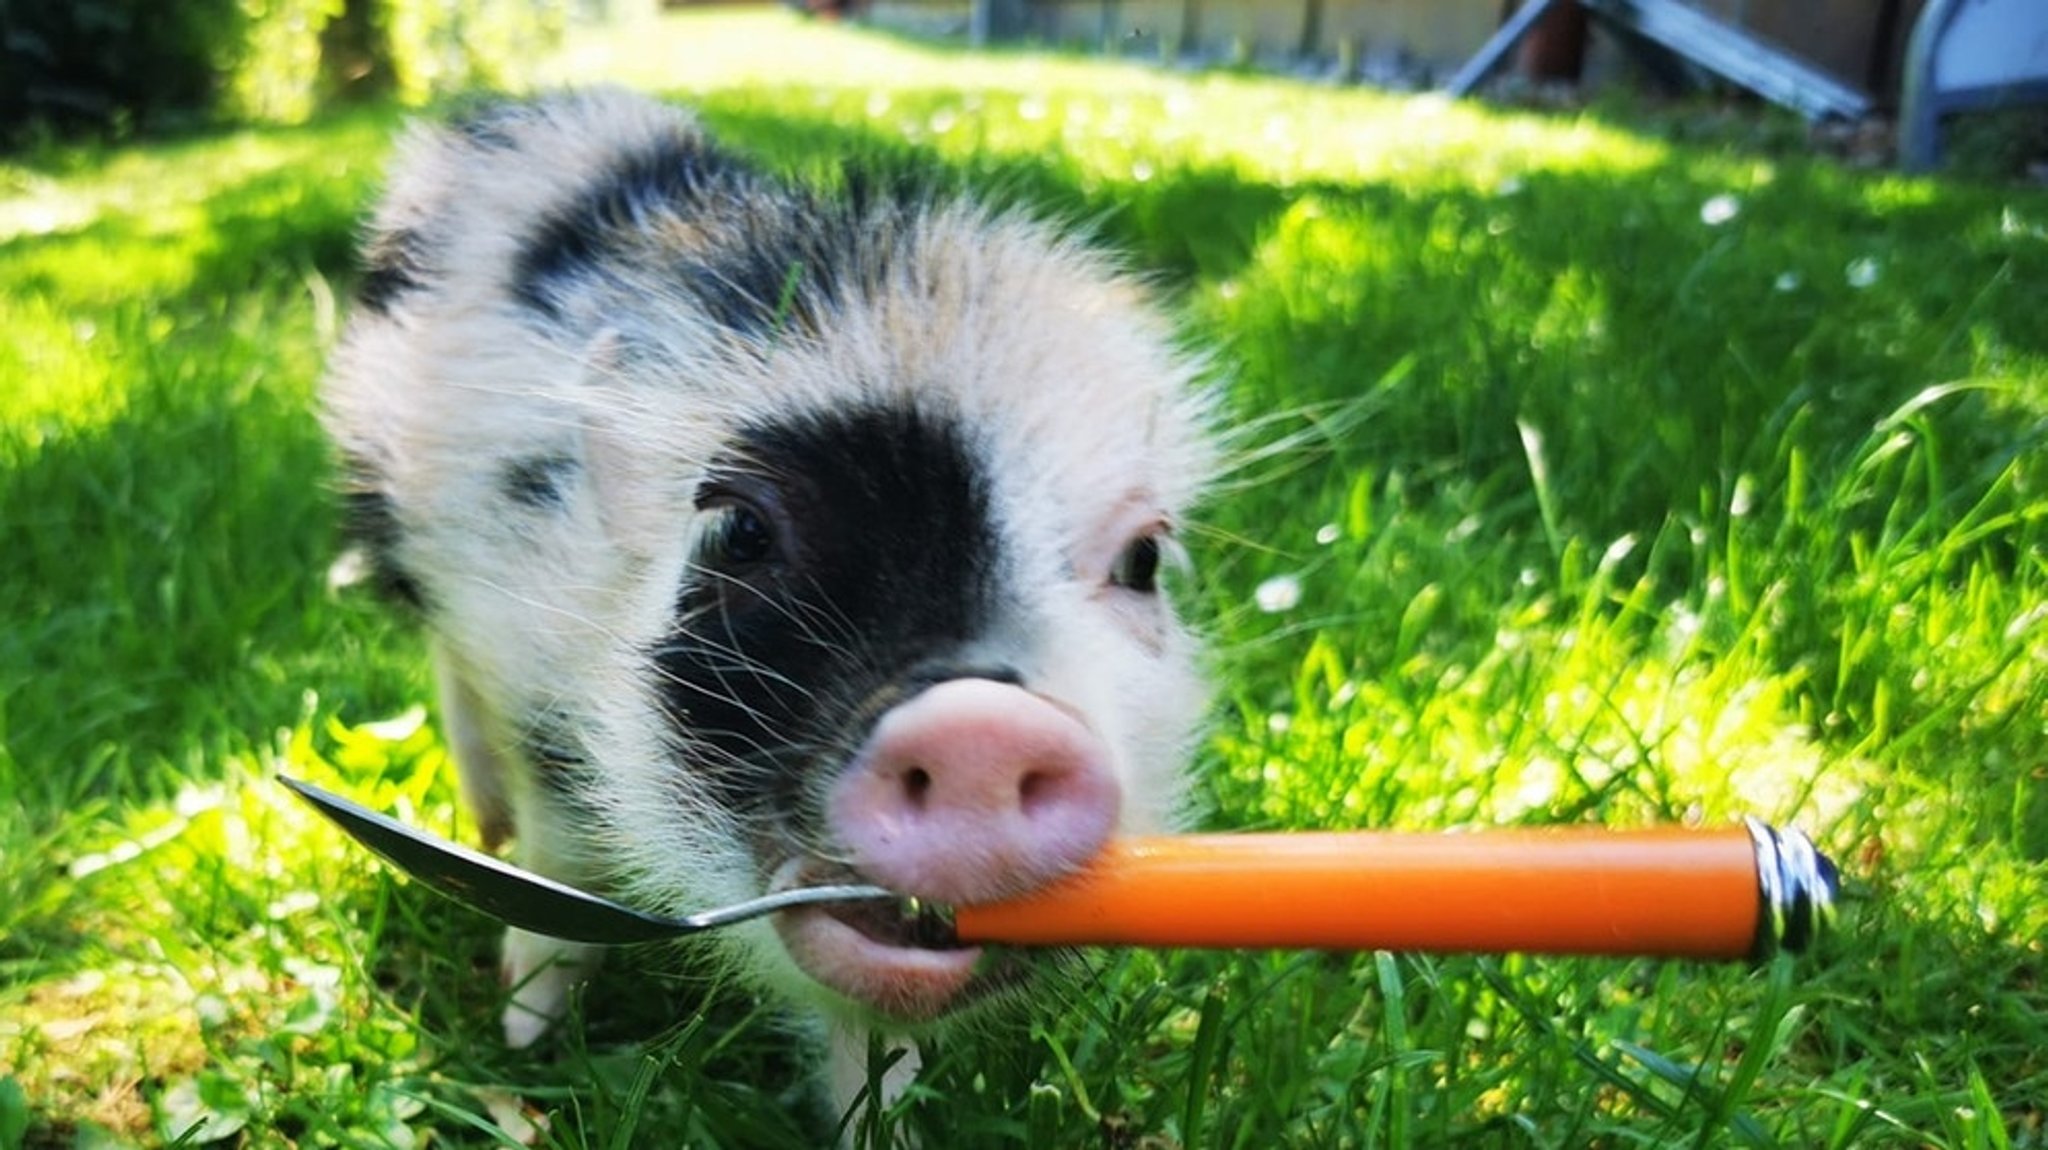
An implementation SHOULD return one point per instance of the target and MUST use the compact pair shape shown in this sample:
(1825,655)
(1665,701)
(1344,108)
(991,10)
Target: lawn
(1585,470)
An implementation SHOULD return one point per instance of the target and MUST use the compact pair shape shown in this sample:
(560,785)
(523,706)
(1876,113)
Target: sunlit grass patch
(119,254)
(227,967)
(161,473)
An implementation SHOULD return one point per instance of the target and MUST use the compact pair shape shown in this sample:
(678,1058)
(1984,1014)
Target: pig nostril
(917,786)
(1034,790)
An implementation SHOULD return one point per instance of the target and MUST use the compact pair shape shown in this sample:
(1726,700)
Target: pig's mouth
(899,959)
(911,923)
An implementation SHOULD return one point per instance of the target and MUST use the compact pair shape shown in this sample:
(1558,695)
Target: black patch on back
(893,563)
(394,264)
(774,280)
(774,258)
(674,174)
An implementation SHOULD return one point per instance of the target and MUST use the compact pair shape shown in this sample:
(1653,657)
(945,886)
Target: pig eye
(1137,569)
(744,538)
(740,536)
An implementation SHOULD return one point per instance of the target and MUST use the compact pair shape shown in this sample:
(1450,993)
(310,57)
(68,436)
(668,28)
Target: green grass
(1595,511)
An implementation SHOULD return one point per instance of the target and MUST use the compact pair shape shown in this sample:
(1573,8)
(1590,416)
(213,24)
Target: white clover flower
(1280,593)
(1719,210)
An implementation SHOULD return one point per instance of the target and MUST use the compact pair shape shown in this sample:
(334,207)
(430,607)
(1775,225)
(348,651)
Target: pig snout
(975,790)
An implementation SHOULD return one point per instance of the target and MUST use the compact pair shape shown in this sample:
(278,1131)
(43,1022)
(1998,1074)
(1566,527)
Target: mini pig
(769,535)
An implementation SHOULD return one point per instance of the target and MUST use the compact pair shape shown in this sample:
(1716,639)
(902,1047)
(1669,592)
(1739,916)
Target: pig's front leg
(501,791)
(541,972)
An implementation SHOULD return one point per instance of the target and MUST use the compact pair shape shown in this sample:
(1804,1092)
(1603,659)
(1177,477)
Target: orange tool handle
(1661,893)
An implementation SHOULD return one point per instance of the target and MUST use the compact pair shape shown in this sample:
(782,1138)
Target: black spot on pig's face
(537,481)
(842,551)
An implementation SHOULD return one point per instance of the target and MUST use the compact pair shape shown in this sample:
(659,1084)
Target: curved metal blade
(535,902)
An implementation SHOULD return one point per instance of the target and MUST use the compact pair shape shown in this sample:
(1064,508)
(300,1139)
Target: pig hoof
(525,1023)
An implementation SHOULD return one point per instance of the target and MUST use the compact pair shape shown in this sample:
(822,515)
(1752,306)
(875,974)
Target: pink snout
(975,790)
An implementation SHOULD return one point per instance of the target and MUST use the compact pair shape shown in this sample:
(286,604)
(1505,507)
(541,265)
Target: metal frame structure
(1730,52)
(1969,55)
